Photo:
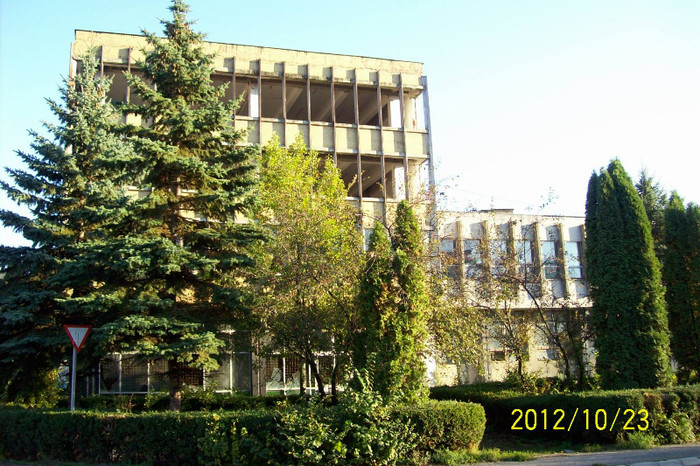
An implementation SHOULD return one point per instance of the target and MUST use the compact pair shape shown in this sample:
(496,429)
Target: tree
(681,273)
(169,276)
(309,269)
(393,303)
(628,317)
(72,188)
(654,200)
(505,281)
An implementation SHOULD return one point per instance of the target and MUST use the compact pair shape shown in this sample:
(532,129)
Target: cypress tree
(393,307)
(681,273)
(628,317)
(170,275)
(72,187)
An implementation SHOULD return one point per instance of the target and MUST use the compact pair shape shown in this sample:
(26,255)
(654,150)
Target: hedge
(192,400)
(674,413)
(233,437)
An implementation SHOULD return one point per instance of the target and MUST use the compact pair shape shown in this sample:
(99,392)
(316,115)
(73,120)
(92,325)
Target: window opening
(395,178)
(371,177)
(344,104)
(573,259)
(297,108)
(367,105)
(347,164)
(321,102)
(549,260)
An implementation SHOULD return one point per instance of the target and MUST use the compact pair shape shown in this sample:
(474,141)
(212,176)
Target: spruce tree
(628,317)
(681,273)
(169,277)
(393,306)
(72,187)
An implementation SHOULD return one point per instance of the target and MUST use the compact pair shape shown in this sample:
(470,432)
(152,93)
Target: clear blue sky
(525,95)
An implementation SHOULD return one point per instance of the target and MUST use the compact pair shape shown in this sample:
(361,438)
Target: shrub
(673,412)
(360,429)
(448,425)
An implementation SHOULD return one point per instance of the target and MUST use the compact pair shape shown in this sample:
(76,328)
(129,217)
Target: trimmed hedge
(235,437)
(192,400)
(449,425)
(674,413)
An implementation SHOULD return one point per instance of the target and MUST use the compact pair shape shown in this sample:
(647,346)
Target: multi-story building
(522,271)
(369,114)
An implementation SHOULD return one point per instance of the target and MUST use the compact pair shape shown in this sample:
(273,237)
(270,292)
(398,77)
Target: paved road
(670,455)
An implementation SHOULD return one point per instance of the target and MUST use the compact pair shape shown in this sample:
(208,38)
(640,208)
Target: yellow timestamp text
(599,419)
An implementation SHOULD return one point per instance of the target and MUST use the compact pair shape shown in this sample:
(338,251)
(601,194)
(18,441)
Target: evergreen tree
(681,273)
(72,188)
(628,317)
(169,276)
(654,200)
(393,302)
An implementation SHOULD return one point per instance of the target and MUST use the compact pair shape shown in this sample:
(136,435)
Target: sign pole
(72,379)
(77,335)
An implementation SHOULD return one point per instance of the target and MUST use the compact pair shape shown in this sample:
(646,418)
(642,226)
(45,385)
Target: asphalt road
(686,455)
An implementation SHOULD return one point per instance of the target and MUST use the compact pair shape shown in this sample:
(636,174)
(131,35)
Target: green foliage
(673,412)
(192,400)
(166,274)
(655,201)
(451,425)
(308,271)
(359,430)
(628,318)
(72,189)
(393,301)
(681,273)
(488,455)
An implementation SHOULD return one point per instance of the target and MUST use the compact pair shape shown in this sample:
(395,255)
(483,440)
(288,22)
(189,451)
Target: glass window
(525,259)
(447,245)
(573,259)
(472,257)
(549,260)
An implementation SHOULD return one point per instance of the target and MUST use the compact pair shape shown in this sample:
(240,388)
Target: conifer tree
(72,187)
(681,273)
(654,200)
(169,275)
(628,316)
(393,302)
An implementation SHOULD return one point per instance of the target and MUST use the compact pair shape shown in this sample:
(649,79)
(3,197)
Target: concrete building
(370,115)
(515,265)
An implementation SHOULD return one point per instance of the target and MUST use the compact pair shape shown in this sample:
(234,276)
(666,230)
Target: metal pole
(72,379)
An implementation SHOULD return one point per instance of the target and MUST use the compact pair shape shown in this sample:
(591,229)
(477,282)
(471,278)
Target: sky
(527,98)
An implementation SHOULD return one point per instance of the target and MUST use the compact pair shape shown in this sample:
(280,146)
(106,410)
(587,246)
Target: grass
(487,455)
(499,447)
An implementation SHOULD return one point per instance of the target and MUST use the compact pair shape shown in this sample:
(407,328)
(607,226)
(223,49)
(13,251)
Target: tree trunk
(175,378)
(317,376)
(302,372)
(334,384)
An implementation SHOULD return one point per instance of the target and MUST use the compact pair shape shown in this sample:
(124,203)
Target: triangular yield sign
(77,334)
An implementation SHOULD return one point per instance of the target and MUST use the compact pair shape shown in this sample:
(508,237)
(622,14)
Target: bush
(360,429)
(673,413)
(192,400)
(450,425)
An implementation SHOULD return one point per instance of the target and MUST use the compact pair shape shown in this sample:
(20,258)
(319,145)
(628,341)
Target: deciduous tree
(310,267)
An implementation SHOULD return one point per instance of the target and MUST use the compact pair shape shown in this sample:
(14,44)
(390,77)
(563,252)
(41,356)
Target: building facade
(370,115)
(526,273)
